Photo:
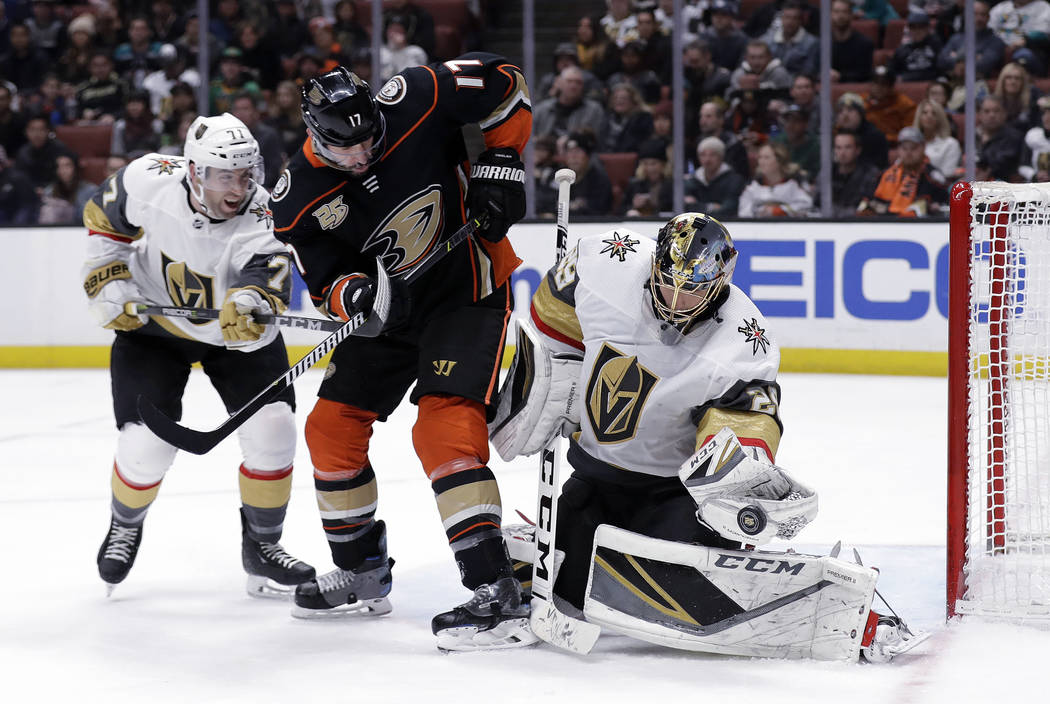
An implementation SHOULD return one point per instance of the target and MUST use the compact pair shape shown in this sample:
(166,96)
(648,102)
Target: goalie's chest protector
(179,256)
(638,389)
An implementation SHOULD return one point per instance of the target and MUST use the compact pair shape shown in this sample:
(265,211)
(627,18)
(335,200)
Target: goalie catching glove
(497,190)
(239,328)
(743,498)
(539,397)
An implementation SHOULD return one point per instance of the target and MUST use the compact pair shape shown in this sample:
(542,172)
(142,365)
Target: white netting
(1007,564)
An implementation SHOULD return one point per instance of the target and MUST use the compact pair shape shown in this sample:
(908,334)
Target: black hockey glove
(356,293)
(497,189)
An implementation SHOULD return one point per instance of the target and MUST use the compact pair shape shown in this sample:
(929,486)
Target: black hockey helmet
(339,111)
(692,268)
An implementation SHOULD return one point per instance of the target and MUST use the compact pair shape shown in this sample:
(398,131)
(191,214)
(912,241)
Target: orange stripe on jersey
(499,361)
(420,120)
(308,206)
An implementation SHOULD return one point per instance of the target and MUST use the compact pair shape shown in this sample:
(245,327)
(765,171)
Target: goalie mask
(225,164)
(692,267)
(340,114)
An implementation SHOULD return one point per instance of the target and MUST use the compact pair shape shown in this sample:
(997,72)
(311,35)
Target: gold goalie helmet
(692,267)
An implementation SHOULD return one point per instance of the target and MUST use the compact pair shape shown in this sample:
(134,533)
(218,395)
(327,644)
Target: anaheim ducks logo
(616,393)
(186,287)
(410,232)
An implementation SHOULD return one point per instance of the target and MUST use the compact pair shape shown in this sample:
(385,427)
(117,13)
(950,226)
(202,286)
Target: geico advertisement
(860,286)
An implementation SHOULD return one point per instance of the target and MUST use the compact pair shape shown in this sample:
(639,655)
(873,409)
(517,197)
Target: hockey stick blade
(199,442)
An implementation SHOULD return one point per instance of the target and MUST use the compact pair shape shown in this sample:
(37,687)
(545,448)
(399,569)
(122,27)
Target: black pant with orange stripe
(453,357)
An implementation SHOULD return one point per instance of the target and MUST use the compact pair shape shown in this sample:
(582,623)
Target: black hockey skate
(361,591)
(117,553)
(272,572)
(496,617)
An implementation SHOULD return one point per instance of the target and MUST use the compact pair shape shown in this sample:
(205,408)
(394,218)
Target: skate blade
(358,609)
(109,589)
(265,588)
(509,634)
(904,646)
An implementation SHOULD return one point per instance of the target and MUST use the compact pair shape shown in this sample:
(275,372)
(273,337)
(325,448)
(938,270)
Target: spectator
(73,67)
(804,94)
(714,187)
(656,46)
(1037,141)
(63,200)
(564,57)
(797,49)
(880,10)
(244,108)
(50,101)
(18,199)
(632,70)
(224,20)
(324,46)
(165,24)
(957,87)
(568,111)
(619,23)
(851,51)
(939,91)
(1018,96)
(287,32)
(662,122)
(183,101)
(591,193)
(36,158)
(852,181)
(713,124)
(349,32)
(774,192)
(397,54)
(46,30)
(887,108)
(751,120)
(1023,24)
(916,60)
(942,148)
(174,137)
(109,27)
(286,117)
(595,52)
(189,42)
(704,79)
(116,162)
(545,150)
(874,148)
(651,192)
(24,64)
(802,145)
(233,78)
(998,144)
(12,123)
(910,187)
(258,55)
(139,55)
(629,123)
(308,66)
(990,48)
(762,73)
(172,70)
(727,43)
(138,129)
(101,97)
(417,23)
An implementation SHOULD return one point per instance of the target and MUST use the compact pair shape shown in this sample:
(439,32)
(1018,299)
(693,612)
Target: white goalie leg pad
(752,603)
(743,497)
(539,397)
(268,438)
(141,456)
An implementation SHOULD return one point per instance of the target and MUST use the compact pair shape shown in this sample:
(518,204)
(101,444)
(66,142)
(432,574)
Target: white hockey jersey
(646,401)
(141,216)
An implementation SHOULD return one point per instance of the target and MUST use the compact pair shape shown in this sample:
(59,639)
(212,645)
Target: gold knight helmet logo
(616,394)
(186,287)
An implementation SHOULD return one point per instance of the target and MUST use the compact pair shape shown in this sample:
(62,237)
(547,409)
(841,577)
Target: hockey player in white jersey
(194,231)
(664,376)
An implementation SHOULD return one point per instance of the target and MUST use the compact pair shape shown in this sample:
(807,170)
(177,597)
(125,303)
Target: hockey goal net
(999,401)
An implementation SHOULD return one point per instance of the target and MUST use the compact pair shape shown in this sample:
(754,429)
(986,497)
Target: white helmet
(216,146)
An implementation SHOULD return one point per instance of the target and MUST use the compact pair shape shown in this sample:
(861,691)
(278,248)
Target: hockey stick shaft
(546,621)
(199,442)
(286,321)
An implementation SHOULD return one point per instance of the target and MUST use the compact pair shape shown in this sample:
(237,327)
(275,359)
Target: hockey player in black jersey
(382,182)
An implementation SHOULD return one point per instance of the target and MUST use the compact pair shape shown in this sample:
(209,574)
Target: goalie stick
(201,441)
(547,622)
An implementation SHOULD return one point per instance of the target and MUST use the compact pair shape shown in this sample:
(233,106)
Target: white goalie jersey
(646,404)
(143,231)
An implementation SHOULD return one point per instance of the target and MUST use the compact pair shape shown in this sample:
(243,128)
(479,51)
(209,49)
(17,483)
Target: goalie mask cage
(999,401)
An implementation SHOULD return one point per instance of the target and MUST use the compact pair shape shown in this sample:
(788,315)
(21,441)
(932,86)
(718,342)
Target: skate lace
(121,542)
(275,553)
(335,580)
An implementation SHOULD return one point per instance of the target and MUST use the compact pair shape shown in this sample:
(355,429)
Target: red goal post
(998,558)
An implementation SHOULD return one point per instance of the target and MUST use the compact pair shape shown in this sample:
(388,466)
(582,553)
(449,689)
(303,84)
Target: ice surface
(181,629)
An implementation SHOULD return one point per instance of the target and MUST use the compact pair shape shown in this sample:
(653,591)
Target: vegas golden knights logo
(186,287)
(616,393)
(410,231)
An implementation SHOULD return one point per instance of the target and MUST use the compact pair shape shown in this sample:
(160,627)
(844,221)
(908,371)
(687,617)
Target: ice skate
(892,637)
(272,572)
(359,592)
(496,617)
(117,553)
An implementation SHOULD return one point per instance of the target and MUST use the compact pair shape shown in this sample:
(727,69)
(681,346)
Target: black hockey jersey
(411,199)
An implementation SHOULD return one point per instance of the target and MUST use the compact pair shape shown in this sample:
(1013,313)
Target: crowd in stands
(87,86)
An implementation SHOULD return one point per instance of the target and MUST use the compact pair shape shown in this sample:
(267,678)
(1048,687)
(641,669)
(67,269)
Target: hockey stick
(201,441)
(286,321)
(546,621)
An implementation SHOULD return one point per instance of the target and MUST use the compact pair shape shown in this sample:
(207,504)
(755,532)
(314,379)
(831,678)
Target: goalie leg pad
(538,399)
(753,603)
